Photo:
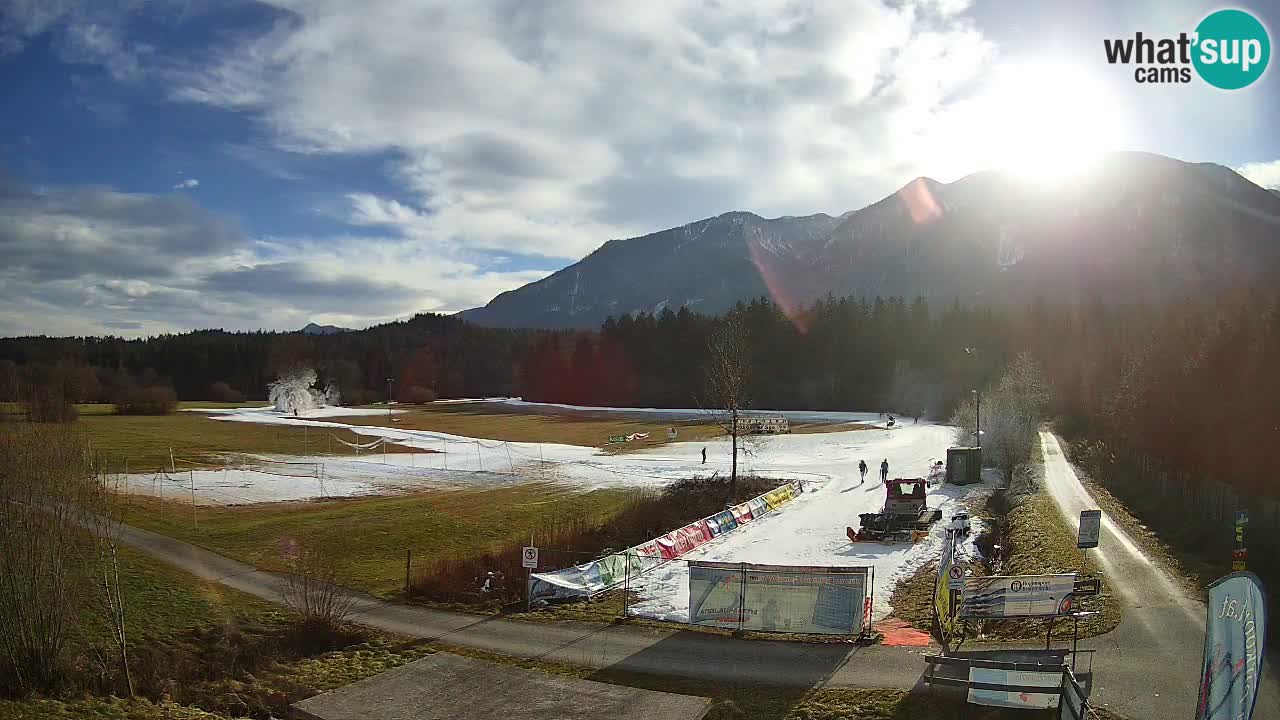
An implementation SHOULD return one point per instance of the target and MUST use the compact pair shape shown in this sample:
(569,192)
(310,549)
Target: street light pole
(977,417)
(389,381)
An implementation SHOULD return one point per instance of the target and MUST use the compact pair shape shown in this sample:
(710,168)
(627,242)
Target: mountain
(1138,227)
(314,329)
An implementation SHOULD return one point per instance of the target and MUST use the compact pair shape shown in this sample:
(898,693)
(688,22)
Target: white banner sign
(1001,596)
(778,598)
(1050,681)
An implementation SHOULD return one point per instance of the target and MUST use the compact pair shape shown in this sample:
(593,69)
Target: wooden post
(509,463)
(194,521)
(445,455)
(479,462)
(172,468)
(408,567)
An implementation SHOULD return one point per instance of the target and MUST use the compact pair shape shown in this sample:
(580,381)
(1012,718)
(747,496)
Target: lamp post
(389,381)
(977,417)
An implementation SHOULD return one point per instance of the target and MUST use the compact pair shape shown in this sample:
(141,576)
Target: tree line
(1191,382)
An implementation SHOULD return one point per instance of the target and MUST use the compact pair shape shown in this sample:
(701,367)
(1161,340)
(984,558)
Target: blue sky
(173,164)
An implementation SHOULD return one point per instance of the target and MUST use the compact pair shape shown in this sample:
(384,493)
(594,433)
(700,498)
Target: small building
(964,466)
(765,424)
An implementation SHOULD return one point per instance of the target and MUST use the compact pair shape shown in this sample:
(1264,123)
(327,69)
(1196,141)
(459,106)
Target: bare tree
(728,374)
(1011,415)
(312,590)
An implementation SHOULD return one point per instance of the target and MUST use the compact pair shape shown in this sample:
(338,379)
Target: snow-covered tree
(294,392)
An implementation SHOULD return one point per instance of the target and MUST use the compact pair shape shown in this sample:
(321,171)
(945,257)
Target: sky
(167,165)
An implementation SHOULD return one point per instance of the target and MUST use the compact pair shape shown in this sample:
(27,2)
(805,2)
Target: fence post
(408,567)
(194,522)
(509,463)
(626,582)
(479,462)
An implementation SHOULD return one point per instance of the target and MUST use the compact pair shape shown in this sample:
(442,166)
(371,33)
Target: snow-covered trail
(455,461)
(811,529)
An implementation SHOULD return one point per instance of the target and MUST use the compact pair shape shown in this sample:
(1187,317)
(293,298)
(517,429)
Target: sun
(1044,122)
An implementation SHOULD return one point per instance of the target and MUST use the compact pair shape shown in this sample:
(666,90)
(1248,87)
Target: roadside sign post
(529,559)
(1090,529)
(1240,555)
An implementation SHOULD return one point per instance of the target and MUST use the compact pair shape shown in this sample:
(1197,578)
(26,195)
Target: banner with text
(1002,596)
(779,598)
(1235,631)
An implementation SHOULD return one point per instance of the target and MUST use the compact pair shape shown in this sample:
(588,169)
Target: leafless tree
(312,590)
(728,375)
(57,551)
(1011,415)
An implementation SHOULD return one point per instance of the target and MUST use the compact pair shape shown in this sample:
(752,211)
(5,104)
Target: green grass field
(369,536)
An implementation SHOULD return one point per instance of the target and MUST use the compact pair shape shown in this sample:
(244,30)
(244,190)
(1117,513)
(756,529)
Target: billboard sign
(1017,698)
(1001,596)
(1235,631)
(778,598)
(1090,528)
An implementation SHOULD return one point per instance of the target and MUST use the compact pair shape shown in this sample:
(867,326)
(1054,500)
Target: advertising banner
(597,575)
(1003,596)
(758,507)
(778,598)
(945,595)
(1235,631)
(1050,681)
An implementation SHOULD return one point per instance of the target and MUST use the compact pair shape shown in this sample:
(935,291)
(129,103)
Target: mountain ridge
(1141,227)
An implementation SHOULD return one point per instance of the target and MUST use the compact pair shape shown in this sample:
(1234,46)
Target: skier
(884,470)
(862,468)
(704,456)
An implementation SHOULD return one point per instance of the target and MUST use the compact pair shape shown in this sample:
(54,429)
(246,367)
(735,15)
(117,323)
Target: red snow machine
(905,516)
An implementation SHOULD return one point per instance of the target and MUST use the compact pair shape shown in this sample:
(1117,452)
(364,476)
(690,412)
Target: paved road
(1153,659)
(1146,669)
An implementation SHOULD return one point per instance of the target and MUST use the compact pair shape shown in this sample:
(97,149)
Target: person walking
(862,468)
(704,456)
(884,470)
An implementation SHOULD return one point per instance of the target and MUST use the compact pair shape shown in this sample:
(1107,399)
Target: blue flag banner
(1235,631)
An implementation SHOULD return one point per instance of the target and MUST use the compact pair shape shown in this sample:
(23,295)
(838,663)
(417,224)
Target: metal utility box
(964,466)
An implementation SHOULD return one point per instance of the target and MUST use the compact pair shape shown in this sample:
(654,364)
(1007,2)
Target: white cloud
(88,261)
(548,129)
(186,184)
(1265,174)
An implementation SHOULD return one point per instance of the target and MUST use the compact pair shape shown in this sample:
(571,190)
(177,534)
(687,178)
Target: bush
(357,396)
(417,395)
(154,400)
(647,515)
(223,392)
(50,407)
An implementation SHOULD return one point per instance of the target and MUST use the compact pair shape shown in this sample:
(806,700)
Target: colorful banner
(591,578)
(1001,596)
(778,598)
(1234,640)
(945,599)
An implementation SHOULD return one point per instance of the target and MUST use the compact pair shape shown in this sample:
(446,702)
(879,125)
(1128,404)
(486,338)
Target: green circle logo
(1232,49)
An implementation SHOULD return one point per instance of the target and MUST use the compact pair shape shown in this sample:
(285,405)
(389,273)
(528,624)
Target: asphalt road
(1152,661)
(1147,668)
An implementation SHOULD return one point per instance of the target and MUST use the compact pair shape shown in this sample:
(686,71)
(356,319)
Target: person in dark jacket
(704,456)
(884,470)
(862,468)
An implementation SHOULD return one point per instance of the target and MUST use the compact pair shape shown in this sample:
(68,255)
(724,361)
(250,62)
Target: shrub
(223,392)
(154,400)
(417,395)
(50,407)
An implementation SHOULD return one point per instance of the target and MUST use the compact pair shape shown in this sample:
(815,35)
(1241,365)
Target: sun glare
(1044,122)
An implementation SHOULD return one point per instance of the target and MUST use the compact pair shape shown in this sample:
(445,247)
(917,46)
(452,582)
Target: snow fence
(609,571)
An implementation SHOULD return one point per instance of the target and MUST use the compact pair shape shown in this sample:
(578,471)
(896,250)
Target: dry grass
(198,440)
(369,536)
